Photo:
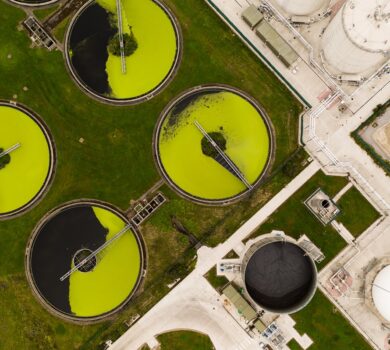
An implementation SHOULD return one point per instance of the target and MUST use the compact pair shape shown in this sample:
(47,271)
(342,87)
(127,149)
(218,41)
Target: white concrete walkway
(193,305)
(343,232)
(287,324)
(342,192)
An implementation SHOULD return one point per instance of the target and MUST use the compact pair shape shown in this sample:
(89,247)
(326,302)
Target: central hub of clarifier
(81,258)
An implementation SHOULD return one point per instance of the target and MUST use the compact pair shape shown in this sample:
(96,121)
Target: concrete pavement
(192,305)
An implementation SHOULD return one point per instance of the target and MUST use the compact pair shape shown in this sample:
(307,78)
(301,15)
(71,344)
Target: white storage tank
(358,38)
(381,292)
(301,7)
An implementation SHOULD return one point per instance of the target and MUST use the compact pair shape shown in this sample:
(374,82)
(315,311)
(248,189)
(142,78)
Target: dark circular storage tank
(280,276)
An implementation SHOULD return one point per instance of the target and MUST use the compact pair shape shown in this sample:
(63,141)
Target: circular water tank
(301,7)
(381,292)
(280,277)
(358,37)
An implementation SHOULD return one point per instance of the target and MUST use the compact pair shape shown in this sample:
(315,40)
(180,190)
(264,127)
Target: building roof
(239,302)
(322,206)
(276,43)
(260,326)
(381,292)
(252,16)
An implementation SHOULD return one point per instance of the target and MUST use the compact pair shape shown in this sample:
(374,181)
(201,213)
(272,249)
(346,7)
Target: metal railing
(9,150)
(230,163)
(324,73)
(95,252)
(346,166)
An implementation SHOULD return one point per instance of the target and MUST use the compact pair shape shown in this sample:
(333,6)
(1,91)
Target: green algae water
(72,232)
(23,178)
(146,69)
(180,151)
(155,55)
(113,278)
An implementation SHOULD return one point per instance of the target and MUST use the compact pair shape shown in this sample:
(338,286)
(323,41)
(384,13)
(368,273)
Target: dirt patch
(382,138)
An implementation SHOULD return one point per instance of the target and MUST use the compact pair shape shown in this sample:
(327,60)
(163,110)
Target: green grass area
(327,327)
(231,255)
(45,12)
(295,219)
(215,228)
(294,165)
(218,282)
(60,30)
(293,345)
(115,164)
(185,340)
(357,213)
(145,347)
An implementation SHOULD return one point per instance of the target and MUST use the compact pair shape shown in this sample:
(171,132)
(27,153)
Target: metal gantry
(9,150)
(224,156)
(120,34)
(145,209)
(96,252)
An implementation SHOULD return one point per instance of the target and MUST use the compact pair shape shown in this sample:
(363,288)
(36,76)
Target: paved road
(335,133)
(194,305)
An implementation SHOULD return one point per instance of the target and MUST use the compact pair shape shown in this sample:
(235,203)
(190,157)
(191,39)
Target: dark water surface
(280,276)
(88,41)
(54,247)
(181,105)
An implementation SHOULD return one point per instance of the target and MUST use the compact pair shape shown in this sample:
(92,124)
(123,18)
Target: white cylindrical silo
(381,293)
(302,7)
(358,38)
